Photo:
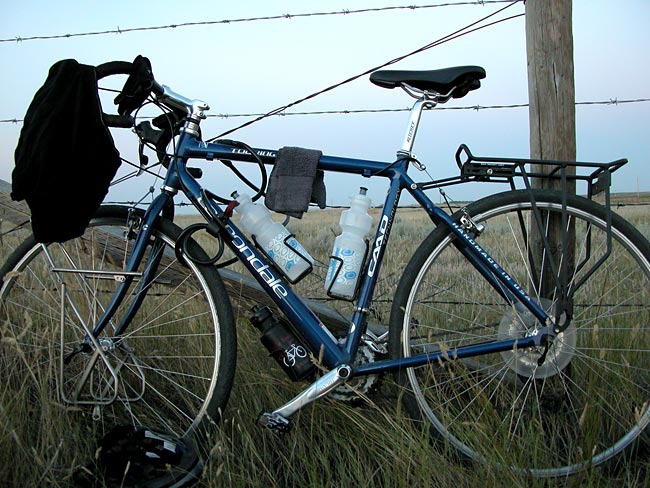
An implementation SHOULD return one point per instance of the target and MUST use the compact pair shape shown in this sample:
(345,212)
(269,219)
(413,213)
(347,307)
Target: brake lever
(159,138)
(142,157)
(147,133)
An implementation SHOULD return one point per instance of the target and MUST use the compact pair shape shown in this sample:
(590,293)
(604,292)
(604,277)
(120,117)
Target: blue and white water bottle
(287,253)
(349,247)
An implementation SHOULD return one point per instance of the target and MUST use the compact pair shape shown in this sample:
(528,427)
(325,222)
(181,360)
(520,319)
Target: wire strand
(454,35)
(408,109)
(476,108)
(344,12)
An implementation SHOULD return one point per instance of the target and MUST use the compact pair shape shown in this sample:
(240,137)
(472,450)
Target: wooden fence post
(551,93)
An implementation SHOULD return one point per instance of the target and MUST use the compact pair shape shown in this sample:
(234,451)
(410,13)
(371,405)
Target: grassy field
(338,445)
(334,444)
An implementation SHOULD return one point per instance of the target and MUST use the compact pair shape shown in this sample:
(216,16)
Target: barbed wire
(474,26)
(453,205)
(476,108)
(611,101)
(470,28)
(118,30)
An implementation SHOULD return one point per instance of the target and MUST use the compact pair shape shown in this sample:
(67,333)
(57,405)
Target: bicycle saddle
(456,82)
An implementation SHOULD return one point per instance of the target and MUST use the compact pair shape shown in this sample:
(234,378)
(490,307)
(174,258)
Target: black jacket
(65,158)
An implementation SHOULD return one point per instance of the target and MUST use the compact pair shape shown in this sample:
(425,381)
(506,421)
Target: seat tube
(375,255)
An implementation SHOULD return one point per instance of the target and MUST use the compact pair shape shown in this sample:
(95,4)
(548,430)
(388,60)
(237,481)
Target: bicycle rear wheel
(171,371)
(588,400)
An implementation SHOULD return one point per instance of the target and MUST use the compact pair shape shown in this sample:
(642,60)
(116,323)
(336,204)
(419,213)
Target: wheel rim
(555,393)
(161,383)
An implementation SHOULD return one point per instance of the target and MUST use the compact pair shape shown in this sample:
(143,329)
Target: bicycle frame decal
(263,153)
(498,269)
(379,241)
(263,270)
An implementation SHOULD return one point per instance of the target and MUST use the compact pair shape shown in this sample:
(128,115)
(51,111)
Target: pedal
(274,422)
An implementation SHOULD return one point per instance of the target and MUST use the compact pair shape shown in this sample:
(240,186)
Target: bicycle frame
(318,337)
(129,325)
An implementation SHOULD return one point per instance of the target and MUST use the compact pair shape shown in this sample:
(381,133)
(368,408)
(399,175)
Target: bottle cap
(361,198)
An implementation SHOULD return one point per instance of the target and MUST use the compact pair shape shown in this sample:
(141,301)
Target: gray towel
(295,181)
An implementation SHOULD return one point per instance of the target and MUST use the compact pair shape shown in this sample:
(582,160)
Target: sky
(256,66)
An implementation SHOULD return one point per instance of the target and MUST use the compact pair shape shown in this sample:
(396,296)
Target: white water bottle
(273,238)
(349,248)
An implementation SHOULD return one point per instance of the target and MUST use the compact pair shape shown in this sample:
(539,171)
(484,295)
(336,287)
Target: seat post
(414,121)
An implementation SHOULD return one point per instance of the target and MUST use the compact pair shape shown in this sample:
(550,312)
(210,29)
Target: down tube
(310,327)
(479,257)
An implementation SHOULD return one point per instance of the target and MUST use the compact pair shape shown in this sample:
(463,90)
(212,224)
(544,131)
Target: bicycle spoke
(165,372)
(587,399)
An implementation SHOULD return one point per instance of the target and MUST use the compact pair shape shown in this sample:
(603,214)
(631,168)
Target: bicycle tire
(590,400)
(174,364)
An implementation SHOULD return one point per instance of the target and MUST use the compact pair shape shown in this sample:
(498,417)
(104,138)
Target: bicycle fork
(103,353)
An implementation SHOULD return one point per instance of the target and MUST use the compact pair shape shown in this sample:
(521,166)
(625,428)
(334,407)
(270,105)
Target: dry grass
(333,444)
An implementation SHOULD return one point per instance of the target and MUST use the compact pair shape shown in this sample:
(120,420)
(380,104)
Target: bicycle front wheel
(540,412)
(171,370)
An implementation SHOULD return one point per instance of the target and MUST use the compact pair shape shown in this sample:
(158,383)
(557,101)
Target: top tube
(192,148)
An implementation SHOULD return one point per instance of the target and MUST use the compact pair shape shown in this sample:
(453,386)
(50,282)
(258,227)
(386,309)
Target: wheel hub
(519,323)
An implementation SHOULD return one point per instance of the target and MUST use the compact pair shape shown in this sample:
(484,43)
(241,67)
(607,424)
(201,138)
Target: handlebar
(113,68)
(138,86)
(110,69)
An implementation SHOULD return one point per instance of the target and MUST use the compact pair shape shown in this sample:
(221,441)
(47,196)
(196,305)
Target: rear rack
(509,170)
(559,254)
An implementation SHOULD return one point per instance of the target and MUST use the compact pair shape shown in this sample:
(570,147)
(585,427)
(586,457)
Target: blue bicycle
(518,333)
